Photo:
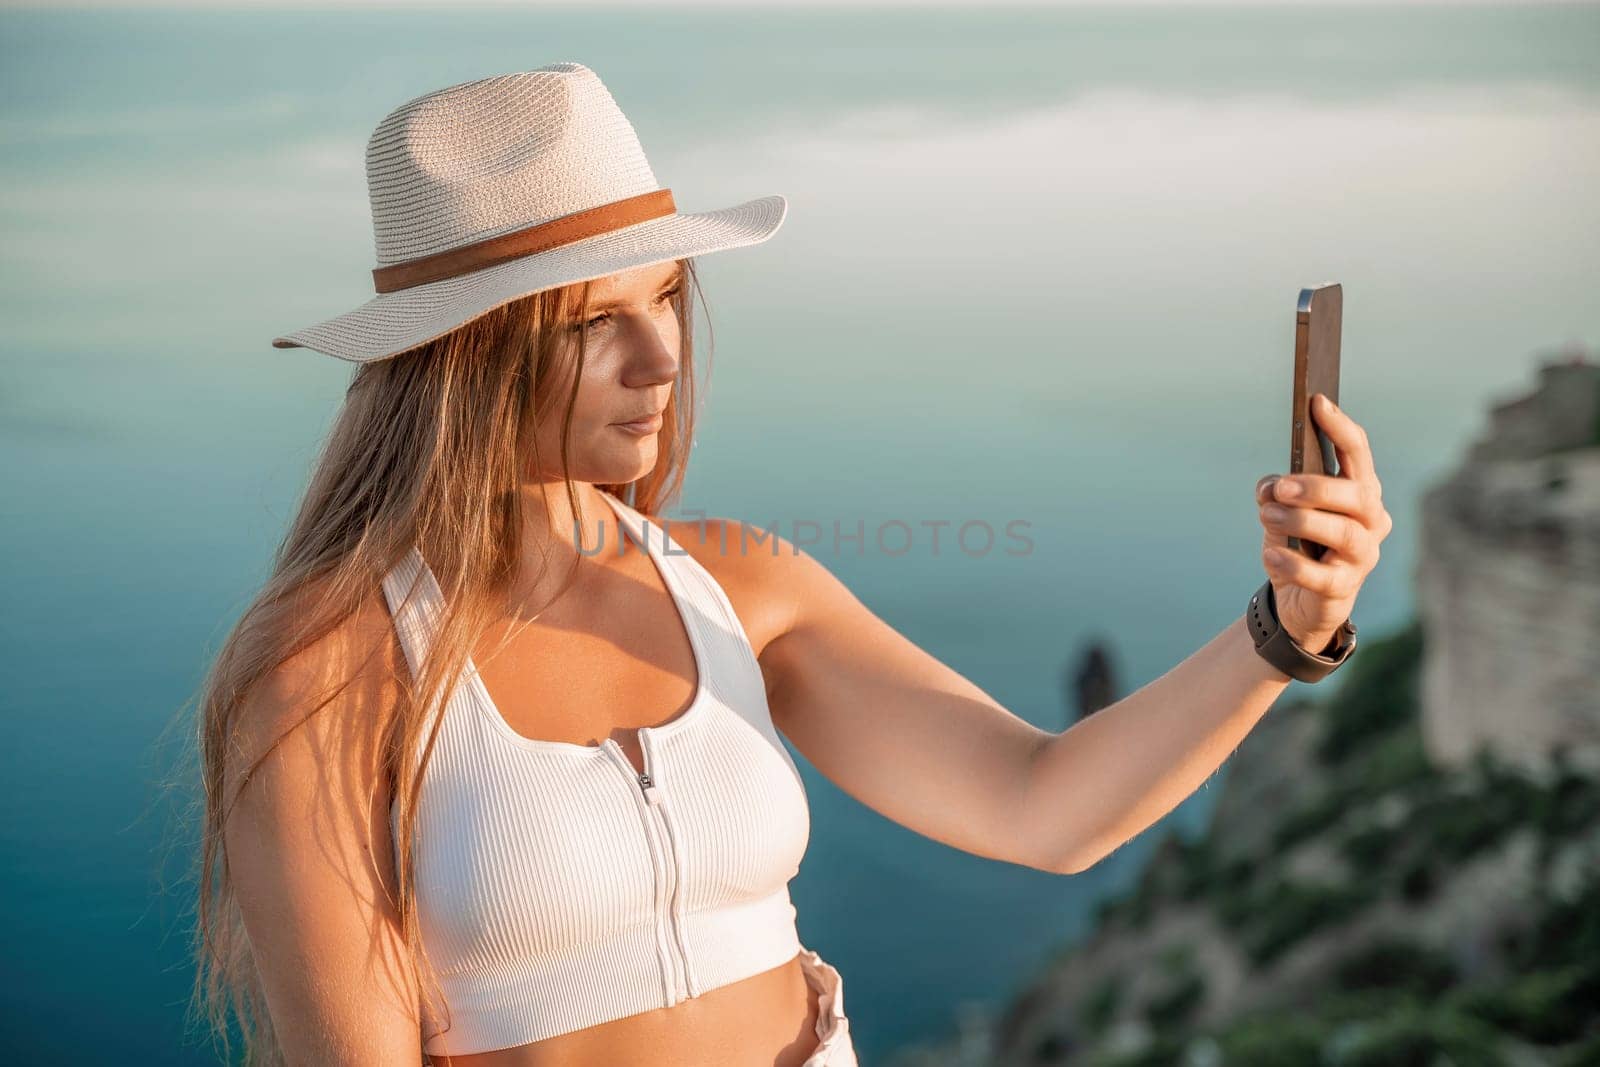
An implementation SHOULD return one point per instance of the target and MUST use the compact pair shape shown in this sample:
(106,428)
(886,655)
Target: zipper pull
(651,792)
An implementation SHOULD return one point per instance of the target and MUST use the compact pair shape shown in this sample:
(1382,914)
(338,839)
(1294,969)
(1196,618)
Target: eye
(667,296)
(662,300)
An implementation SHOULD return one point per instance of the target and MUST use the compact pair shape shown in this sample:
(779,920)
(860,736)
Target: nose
(652,354)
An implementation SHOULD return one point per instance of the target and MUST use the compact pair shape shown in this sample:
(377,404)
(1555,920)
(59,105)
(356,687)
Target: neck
(558,548)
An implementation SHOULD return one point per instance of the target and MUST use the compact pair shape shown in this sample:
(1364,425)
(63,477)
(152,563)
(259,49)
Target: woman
(493,764)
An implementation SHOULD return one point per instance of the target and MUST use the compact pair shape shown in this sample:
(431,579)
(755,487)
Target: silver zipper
(650,790)
(669,976)
(691,988)
(654,794)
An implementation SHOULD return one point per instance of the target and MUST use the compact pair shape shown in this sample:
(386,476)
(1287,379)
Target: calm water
(1039,266)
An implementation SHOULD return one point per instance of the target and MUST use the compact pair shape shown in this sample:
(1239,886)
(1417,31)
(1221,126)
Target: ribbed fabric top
(559,889)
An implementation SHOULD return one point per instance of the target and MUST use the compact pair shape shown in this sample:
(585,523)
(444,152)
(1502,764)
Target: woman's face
(630,365)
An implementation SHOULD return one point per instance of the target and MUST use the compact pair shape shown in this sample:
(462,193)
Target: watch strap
(1277,647)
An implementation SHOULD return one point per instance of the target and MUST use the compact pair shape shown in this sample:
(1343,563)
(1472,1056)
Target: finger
(1343,535)
(1264,488)
(1349,439)
(1271,538)
(1361,498)
(1334,580)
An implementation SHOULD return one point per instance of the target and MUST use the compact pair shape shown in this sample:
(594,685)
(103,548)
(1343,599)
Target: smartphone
(1316,370)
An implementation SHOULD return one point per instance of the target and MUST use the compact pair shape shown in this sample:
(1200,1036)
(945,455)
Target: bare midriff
(769,1017)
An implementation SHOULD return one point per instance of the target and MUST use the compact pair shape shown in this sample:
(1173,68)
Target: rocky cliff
(1508,582)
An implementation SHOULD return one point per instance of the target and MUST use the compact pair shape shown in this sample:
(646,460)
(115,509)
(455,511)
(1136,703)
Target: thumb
(1269,538)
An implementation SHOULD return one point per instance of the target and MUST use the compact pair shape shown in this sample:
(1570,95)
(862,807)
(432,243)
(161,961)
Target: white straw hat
(493,189)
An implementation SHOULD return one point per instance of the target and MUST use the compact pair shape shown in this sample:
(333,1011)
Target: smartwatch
(1277,647)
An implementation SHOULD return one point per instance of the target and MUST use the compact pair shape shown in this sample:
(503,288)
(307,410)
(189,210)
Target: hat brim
(392,323)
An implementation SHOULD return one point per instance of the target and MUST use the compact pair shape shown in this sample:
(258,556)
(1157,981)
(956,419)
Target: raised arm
(910,737)
(311,859)
(1131,763)
(889,723)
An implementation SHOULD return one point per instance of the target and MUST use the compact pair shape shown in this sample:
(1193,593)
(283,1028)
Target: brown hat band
(538,238)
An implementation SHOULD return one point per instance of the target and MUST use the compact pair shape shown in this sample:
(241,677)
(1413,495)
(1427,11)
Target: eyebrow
(676,277)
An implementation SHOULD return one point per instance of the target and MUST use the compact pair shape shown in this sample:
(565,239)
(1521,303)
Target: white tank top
(556,887)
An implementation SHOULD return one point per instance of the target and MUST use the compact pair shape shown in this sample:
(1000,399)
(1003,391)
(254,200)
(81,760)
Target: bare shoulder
(329,698)
(309,850)
(765,575)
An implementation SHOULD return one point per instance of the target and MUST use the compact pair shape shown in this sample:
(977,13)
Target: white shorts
(833,1028)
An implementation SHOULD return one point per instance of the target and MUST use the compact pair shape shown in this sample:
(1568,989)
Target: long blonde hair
(428,449)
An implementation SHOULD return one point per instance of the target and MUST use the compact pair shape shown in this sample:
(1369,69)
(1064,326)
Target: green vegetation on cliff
(1379,975)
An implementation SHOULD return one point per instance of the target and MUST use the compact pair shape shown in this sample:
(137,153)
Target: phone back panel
(1316,370)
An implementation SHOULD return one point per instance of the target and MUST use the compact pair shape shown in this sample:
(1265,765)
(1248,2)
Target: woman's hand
(1343,512)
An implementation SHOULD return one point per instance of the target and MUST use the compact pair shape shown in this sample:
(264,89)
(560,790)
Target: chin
(628,465)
